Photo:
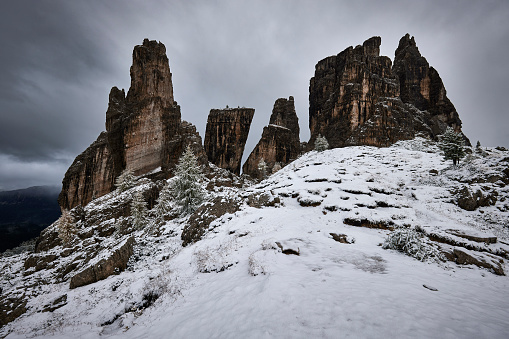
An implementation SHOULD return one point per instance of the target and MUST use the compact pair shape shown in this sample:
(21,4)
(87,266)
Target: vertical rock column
(345,89)
(226,136)
(280,140)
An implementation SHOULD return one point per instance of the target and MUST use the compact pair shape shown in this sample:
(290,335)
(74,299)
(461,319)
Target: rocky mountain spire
(144,131)
(421,86)
(280,140)
(226,136)
(359,98)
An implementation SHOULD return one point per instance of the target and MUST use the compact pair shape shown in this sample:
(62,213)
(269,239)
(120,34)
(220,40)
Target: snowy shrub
(321,144)
(276,167)
(412,243)
(214,259)
(262,168)
(186,188)
(66,228)
(125,181)
(255,266)
(451,144)
(138,210)
(269,244)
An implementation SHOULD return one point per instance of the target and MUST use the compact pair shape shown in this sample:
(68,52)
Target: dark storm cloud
(60,58)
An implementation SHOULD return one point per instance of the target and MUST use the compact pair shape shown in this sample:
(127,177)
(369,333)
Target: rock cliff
(359,98)
(226,136)
(280,140)
(144,131)
(421,86)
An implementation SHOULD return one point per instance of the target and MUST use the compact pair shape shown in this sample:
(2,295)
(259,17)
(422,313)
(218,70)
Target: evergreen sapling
(186,189)
(451,143)
(125,180)
(321,144)
(138,210)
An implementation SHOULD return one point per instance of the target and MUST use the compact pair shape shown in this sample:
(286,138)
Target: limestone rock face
(226,136)
(421,86)
(359,98)
(280,140)
(92,174)
(144,131)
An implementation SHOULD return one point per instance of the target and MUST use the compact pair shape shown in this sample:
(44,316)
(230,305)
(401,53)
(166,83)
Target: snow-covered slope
(277,271)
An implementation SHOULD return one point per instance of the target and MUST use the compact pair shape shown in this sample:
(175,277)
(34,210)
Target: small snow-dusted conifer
(321,144)
(125,180)
(478,148)
(276,167)
(262,168)
(138,210)
(66,228)
(186,189)
(451,143)
(163,202)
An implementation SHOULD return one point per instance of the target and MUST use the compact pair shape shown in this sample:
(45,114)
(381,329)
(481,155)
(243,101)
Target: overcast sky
(59,60)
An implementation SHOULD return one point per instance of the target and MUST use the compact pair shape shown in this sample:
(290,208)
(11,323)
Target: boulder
(484,260)
(113,264)
(470,199)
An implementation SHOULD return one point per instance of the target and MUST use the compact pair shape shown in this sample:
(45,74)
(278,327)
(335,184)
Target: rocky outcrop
(226,136)
(359,98)
(144,132)
(280,142)
(115,263)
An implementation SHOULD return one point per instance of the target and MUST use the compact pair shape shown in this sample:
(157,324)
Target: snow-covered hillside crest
(300,256)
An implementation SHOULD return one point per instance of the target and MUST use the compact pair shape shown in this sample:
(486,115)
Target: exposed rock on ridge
(280,140)
(144,131)
(226,136)
(358,98)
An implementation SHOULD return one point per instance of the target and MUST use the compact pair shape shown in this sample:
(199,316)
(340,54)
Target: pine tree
(66,228)
(321,144)
(138,210)
(186,189)
(451,143)
(262,168)
(125,180)
(478,148)
(163,205)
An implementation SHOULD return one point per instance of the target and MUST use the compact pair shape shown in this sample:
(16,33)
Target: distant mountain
(24,213)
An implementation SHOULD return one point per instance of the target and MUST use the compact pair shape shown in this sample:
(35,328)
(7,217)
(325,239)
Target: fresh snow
(329,290)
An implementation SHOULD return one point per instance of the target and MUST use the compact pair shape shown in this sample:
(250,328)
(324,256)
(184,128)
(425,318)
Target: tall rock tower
(358,98)
(280,140)
(144,132)
(226,136)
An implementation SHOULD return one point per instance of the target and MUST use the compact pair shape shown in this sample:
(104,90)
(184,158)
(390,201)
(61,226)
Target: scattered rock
(266,199)
(431,288)
(10,309)
(485,260)
(342,238)
(469,200)
(56,304)
(361,222)
(474,236)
